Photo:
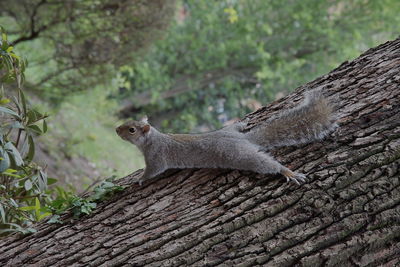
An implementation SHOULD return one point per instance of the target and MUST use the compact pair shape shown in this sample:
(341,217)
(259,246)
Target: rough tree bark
(347,213)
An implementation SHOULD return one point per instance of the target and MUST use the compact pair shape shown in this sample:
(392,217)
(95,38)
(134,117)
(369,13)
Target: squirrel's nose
(118,129)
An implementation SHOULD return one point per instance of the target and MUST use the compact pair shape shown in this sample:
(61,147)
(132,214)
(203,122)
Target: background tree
(347,213)
(80,44)
(221,59)
(76,46)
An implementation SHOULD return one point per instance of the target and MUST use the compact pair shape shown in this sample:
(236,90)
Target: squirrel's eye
(132,130)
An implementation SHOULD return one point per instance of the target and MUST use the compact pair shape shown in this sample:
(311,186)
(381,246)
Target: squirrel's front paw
(143,178)
(294,176)
(140,181)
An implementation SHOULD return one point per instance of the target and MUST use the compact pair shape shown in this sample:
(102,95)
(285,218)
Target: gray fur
(164,152)
(230,147)
(312,120)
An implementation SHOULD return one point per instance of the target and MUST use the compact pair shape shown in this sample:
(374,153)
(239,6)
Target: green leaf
(27,208)
(3,36)
(23,100)
(35,129)
(14,55)
(31,151)
(43,215)
(4,101)
(32,116)
(13,175)
(24,64)
(55,219)
(8,61)
(44,126)
(37,208)
(4,45)
(9,111)
(42,180)
(88,207)
(2,214)
(29,230)
(11,172)
(51,181)
(28,185)
(14,153)
(16,125)
(13,202)
(18,229)
(5,162)
(3,231)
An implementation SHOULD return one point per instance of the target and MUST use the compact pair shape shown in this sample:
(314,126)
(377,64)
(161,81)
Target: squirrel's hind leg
(293,176)
(264,163)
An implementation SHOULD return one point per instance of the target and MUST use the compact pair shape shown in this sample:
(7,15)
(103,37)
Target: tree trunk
(347,213)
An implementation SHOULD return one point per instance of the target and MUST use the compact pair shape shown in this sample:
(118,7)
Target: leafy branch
(23,183)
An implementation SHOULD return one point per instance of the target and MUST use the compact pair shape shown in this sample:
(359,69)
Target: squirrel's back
(311,120)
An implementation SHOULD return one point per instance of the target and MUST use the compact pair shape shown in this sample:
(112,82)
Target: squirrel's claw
(294,176)
(140,182)
(300,177)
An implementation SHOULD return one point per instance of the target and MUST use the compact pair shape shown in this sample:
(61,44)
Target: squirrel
(234,147)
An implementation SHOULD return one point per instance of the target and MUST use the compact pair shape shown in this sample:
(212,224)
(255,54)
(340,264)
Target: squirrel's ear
(144,119)
(146,128)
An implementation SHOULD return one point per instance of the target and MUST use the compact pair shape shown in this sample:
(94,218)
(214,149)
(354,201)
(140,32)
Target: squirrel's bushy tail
(311,120)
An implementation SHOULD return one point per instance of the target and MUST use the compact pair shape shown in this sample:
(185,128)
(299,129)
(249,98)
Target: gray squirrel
(232,147)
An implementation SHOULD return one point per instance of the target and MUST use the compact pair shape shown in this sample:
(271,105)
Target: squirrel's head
(134,131)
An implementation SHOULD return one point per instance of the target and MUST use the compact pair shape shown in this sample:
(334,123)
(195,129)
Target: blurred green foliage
(80,44)
(25,195)
(84,126)
(77,46)
(220,56)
